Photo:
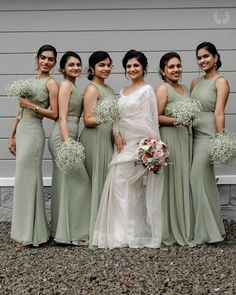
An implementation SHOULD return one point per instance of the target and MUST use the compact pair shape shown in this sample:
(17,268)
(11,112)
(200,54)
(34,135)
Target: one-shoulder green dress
(70,204)
(209,226)
(98,145)
(177,207)
(29,224)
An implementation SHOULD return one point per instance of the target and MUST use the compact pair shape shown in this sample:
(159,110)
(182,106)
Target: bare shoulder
(222,81)
(161,90)
(91,90)
(52,82)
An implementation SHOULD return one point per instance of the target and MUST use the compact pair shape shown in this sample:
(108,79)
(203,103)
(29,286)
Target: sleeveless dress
(177,207)
(209,226)
(70,204)
(29,224)
(130,208)
(98,145)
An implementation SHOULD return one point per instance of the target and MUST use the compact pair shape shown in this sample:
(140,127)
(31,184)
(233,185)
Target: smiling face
(46,61)
(134,69)
(206,60)
(72,67)
(173,70)
(103,69)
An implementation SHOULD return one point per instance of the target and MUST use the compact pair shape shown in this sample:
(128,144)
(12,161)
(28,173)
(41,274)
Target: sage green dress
(99,149)
(29,224)
(70,204)
(177,208)
(209,226)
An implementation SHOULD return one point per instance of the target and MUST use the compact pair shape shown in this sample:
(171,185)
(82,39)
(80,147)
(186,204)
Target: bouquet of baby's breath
(186,111)
(70,155)
(21,88)
(106,110)
(223,148)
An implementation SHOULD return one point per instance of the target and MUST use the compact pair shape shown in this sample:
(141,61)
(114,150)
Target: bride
(130,208)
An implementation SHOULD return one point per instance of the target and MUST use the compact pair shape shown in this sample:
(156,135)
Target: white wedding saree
(130,208)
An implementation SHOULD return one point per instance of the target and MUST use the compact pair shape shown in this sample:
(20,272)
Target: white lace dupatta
(143,190)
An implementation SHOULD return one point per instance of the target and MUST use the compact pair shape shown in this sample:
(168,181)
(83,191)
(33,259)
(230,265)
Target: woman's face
(206,60)
(173,70)
(134,69)
(72,67)
(103,69)
(46,61)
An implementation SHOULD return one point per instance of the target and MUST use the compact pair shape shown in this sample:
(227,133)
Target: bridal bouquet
(186,111)
(70,155)
(152,154)
(21,88)
(106,110)
(223,148)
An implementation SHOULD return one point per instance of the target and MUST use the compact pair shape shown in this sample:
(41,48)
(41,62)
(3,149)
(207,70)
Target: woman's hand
(12,146)
(119,142)
(25,103)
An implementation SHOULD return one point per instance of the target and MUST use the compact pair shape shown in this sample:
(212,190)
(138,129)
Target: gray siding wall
(152,26)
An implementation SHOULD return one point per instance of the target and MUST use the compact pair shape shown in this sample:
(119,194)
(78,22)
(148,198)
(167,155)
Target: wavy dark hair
(95,58)
(212,49)
(164,61)
(140,56)
(65,58)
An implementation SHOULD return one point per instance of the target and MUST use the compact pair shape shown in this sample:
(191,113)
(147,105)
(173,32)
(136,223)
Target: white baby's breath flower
(223,149)
(21,88)
(186,110)
(70,155)
(106,110)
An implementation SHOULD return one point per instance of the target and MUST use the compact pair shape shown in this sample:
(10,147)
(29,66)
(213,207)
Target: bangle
(36,108)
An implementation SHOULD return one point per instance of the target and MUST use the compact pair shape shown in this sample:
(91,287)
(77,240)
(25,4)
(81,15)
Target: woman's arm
(52,112)
(65,89)
(162,97)
(193,84)
(11,140)
(223,89)
(91,95)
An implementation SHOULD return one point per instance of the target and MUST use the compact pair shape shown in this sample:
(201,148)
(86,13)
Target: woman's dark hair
(164,61)
(47,47)
(140,56)
(65,58)
(212,49)
(95,58)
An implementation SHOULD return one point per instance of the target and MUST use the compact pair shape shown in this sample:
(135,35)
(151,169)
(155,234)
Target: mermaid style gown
(209,226)
(29,224)
(70,205)
(130,208)
(98,151)
(177,207)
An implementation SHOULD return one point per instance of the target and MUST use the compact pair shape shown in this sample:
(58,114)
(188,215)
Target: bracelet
(36,108)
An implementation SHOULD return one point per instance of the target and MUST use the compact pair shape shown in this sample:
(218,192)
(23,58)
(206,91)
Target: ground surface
(53,269)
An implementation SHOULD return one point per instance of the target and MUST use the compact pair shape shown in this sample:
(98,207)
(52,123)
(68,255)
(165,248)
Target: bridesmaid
(29,225)
(212,90)
(176,202)
(70,208)
(97,138)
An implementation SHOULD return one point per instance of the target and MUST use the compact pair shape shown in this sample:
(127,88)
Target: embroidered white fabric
(130,208)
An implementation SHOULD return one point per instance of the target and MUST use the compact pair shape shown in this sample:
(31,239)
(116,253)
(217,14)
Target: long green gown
(209,226)
(99,149)
(177,205)
(70,204)
(29,224)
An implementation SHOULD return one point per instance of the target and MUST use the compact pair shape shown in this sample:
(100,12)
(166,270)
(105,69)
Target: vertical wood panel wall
(152,26)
